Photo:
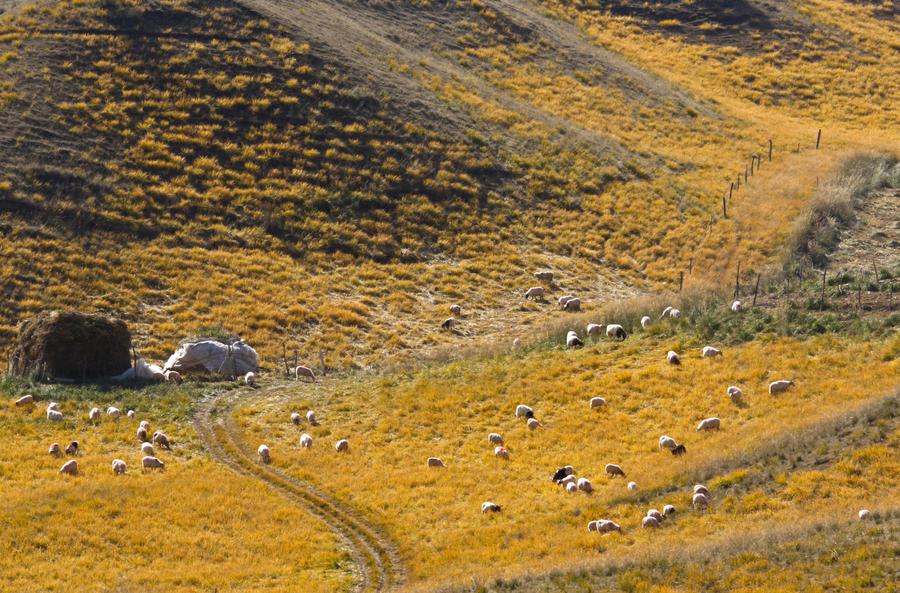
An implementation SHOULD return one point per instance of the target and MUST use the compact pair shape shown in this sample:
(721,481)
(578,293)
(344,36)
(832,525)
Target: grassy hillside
(336,181)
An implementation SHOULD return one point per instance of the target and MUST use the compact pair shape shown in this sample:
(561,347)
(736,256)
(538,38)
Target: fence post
(731,190)
(818,138)
(691,265)
(822,299)
(680,280)
(756,288)
(322,361)
(738,184)
(746,175)
(770,150)
(724,208)
(737,281)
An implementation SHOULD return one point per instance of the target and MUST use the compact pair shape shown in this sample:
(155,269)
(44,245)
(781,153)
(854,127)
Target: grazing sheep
(495,439)
(701,489)
(434,462)
(302,371)
(523,411)
(72,448)
(709,424)
(25,400)
(113,412)
(562,472)
(573,304)
(544,276)
(306,441)
(173,377)
(613,470)
(118,467)
(735,394)
(673,358)
(666,312)
(160,438)
(534,293)
(679,450)
(516,343)
(737,306)
(649,522)
(250,379)
(533,423)
(571,487)
(94,414)
(145,424)
(667,442)
(448,323)
(864,514)
(656,515)
(594,329)
(571,479)
(142,434)
(295,419)
(645,322)
(632,486)
(53,406)
(573,341)
(490,507)
(54,450)
(342,446)
(150,462)
(561,301)
(147,449)
(709,352)
(70,467)
(264,455)
(614,330)
(668,510)
(592,525)
(54,415)
(311,418)
(584,485)
(781,386)
(598,402)
(501,452)
(607,526)
(455,310)
(130,414)
(675,314)
(700,500)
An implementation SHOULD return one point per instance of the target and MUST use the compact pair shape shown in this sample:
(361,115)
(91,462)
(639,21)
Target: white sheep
(302,371)
(54,415)
(523,411)
(173,377)
(54,450)
(342,446)
(709,424)
(94,414)
(597,402)
(534,293)
(675,314)
(594,329)
(434,462)
(573,304)
(700,500)
(118,467)
(501,452)
(709,352)
(737,306)
(70,468)
(25,400)
(656,515)
(668,510)
(571,487)
(142,434)
(495,439)
(516,343)
(306,441)
(673,357)
(614,330)
(613,470)
(544,276)
(150,462)
(607,526)
(250,379)
(53,406)
(160,438)
(145,424)
(533,423)
(649,522)
(645,322)
(295,418)
(573,341)
(701,489)
(561,301)
(113,412)
(264,455)
(490,507)
(130,414)
(781,386)
(735,394)
(864,514)
(311,418)
(147,449)
(667,442)
(448,323)
(570,479)
(584,485)
(72,448)
(632,486)
(455,310)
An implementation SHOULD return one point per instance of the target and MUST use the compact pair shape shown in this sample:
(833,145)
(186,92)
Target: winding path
(378,565)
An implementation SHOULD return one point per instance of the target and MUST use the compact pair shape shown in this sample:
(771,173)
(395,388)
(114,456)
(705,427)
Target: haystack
(71,345)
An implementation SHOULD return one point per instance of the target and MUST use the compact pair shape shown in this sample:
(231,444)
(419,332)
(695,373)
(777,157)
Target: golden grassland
(398,420)
(195,525)
(257,186)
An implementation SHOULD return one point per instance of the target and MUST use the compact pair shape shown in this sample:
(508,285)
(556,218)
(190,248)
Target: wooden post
(724,208)
(296,359)
(287,370)
(680,281)
(770,150)
(322,361)
(738,184)
(752,163)
(691,265)
(746,175)
(822,298)
(731,190)
(818,139)
(798,148)
(756,288)
(758,163)
(737,281)
(859,293)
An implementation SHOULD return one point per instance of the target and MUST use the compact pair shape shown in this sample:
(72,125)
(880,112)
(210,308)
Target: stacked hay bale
(71,345)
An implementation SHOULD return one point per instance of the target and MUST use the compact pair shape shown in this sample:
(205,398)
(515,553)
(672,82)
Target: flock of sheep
(149,460)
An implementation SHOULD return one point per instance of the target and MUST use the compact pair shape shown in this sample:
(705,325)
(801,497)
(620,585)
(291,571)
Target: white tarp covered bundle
(142,372)
(214,357)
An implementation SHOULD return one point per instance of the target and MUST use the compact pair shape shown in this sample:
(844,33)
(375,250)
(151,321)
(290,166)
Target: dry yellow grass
(395,422)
